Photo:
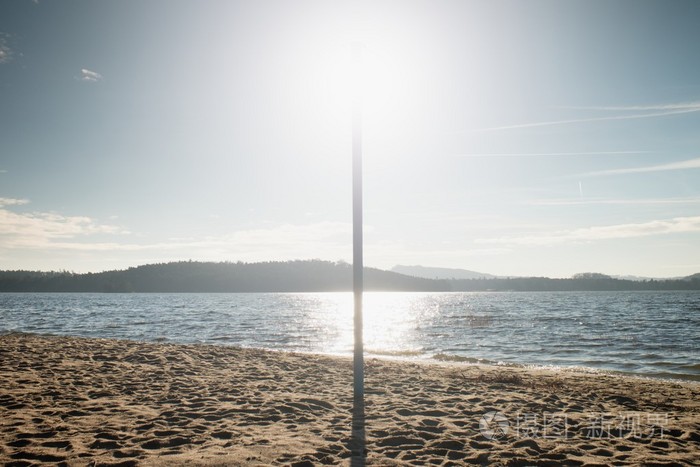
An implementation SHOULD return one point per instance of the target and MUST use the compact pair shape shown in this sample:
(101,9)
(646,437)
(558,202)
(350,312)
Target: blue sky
(516,138)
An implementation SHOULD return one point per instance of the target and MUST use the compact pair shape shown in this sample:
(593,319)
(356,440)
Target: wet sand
(75,401)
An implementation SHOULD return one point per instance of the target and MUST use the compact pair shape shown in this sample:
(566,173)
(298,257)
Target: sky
(539,138)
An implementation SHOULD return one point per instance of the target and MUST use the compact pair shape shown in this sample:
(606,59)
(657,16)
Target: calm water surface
(645,333)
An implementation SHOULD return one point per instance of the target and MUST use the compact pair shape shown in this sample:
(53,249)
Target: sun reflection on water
(393,321)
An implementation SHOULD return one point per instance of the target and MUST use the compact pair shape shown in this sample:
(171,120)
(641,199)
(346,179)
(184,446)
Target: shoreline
(415,357)
(121,402)
(635,335)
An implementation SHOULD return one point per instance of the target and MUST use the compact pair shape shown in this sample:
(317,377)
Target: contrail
(681,106)
(585,120)
(680,165)
(536,154)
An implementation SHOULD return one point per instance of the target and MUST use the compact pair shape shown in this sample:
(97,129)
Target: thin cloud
(651,111)
(600,233)
(586,120)
(680,106)
(41,229)
(622,202)
(680,165)
(553,154)
(12,202)
(400,252)
(52,232)
(89,76)
(5,51)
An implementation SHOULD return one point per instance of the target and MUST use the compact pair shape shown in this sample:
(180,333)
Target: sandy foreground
(75,401)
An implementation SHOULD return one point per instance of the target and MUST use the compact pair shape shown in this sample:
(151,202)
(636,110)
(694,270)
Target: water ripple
(647,333)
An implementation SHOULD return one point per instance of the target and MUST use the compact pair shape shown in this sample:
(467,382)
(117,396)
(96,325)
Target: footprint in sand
(32,456)
(58,445)
(105,445)
(43,435)
(20,443)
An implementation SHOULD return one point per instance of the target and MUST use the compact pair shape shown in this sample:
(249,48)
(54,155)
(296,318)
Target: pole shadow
(358,449)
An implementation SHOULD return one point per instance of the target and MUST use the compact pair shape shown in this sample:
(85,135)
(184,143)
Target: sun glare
(378,78)
(390,321)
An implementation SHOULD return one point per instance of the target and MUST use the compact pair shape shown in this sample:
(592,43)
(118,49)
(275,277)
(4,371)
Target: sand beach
(79,402)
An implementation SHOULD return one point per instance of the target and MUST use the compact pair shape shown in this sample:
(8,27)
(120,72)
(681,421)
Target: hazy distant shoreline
(304,276)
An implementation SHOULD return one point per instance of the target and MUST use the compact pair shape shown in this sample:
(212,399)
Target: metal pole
(357,263)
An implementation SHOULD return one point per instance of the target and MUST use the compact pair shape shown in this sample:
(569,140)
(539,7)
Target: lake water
(645,333)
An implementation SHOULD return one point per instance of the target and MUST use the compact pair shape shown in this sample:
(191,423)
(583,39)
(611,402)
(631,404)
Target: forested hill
(191,276)
(300,276)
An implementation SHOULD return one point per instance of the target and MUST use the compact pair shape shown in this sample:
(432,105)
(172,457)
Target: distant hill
(304,276)
(590,275)
(440,273)
(633,278)
(192,276)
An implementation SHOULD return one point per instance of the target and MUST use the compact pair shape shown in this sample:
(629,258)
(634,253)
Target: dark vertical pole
(357,266)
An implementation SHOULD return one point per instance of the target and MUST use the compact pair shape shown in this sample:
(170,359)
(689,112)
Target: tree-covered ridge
(192,276)
(300,276)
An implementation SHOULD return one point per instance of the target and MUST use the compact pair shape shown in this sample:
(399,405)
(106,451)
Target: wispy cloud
(286,241)
(586,120)
(651,111)
(386,254)
(553,154)
(41,229)
(599,233)
(53,232)
(633,108)
(5,51)
(12,202)
(326,240)
(679,165)
(64,240)
(606,201)
(89,76)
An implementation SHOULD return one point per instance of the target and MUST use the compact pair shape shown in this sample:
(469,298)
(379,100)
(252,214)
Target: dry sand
(74,401)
